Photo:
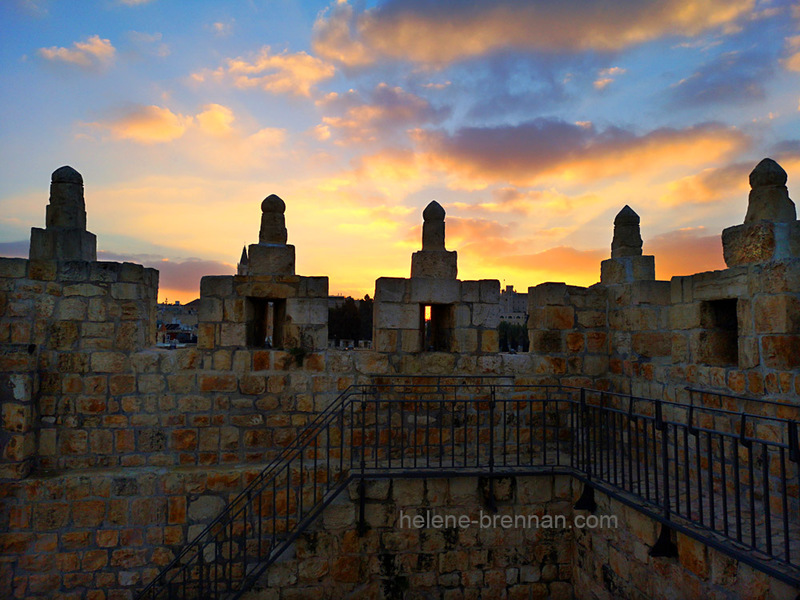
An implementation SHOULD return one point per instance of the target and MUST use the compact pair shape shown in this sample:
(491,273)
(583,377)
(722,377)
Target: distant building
(177,323)
(513,306)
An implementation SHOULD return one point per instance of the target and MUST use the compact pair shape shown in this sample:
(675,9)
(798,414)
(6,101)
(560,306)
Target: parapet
(434,311)
(770,230)
(434,261)
(627,263)
(266,305)
(65,236)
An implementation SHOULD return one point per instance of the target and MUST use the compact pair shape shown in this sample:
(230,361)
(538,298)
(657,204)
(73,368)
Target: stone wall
(394,559)
(466,313)
(61,322)
(614,563)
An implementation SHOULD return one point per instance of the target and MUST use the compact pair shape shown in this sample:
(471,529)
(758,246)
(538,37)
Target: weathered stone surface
(266,259)
(769,199)
(438,264)
(273,224)
(433,227)
(627,240)
(760,242)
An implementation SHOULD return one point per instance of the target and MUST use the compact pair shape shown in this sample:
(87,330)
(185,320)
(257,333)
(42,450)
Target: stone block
(470,291)
(558,317)
(71,309)
(389,315)
(652,344)
(434,291)
(490,340)
(385,340)
(267,259)
(547,294)
(651,292)
(233,310)
(13,267)
(715,285)
(760,242)
(591,319)
(220,286)
(486,315)
(625,269)
(391,289)
(546,341)
(233,334)
(307,311)
(777,313)
(781,351)
(63,244)
(490,290)
(685,316)
(268,289)
(410,340)
(465,341)
(210,309)
(435,264)
(314,287)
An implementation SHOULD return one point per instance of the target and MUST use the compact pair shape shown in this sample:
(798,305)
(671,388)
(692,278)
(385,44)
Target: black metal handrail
(728,478)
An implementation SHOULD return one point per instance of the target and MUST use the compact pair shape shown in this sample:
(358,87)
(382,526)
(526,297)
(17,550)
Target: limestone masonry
(114,453)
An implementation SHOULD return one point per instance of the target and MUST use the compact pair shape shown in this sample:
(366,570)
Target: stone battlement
(129,430)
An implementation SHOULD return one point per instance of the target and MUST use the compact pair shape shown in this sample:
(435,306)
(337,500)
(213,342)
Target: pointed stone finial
(241,268)
(433,227)
(627,237)
(769,199)
(273,222)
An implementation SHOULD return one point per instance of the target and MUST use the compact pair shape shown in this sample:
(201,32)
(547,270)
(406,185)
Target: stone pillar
(272,255)
(627,263)
(770,230)
(434,261)
(65,237)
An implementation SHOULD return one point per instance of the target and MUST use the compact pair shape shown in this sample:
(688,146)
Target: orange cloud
(283,73)
(92,53)
(708,186)
(147,125)
(792,61)
(544,150)
(447,31)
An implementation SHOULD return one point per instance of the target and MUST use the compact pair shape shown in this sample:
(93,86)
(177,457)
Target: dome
(273,204)
(66,174)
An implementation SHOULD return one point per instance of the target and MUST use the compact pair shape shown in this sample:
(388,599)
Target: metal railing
(725,477)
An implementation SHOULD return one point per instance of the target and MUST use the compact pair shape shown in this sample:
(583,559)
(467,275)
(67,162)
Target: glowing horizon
(533,123)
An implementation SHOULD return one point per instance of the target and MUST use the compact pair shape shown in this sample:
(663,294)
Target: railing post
(492,503)
(586,501)
(362,521)
(794,446)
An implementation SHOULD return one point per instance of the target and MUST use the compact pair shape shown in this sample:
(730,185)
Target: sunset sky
(532,122)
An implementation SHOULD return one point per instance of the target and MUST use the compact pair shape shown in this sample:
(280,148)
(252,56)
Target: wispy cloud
(361,120)
(92,53)
(149,43)
(792,60)
(283,73)
(732,77)
(221,28)
(146,125)
(606,76)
